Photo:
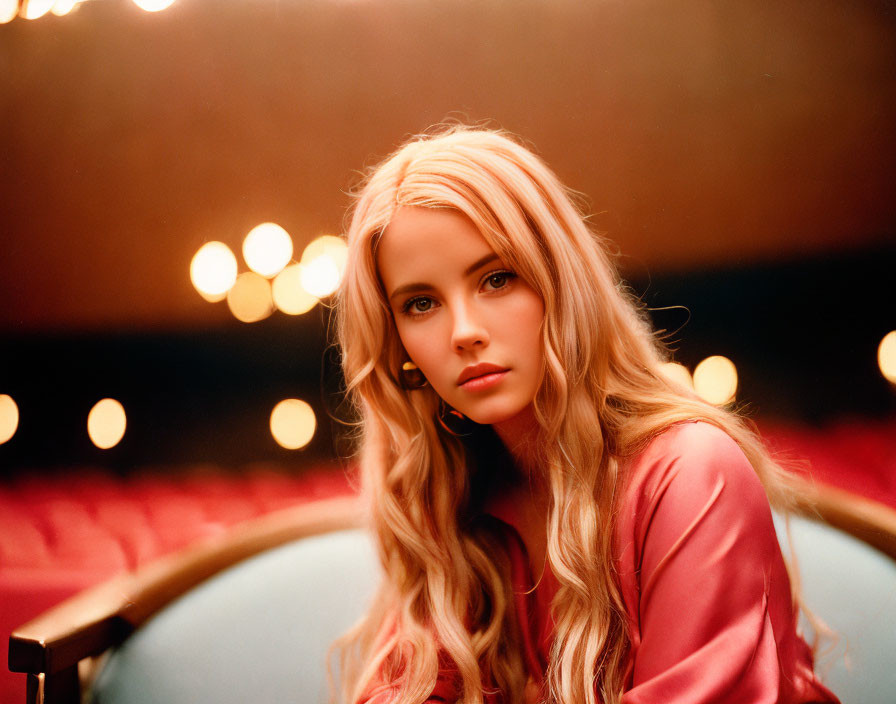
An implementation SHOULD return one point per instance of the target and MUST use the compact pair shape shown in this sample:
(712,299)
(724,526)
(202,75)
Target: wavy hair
(446,591)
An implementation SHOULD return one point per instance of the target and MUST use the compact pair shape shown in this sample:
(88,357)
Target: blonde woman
(557,520)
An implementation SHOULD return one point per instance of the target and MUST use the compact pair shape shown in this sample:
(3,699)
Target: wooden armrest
(94,620)
(870,521)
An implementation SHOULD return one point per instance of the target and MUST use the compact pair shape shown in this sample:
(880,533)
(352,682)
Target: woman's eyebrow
(482,261)
(417,287)
(409,288)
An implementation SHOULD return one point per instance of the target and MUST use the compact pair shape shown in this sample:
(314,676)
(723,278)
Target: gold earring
(411,377)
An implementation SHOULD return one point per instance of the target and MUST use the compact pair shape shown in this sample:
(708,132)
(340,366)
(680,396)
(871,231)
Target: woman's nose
(468,330)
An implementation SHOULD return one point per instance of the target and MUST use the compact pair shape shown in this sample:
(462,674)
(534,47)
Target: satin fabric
(705,587)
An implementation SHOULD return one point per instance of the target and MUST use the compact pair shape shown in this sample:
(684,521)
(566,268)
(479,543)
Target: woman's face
(470,324)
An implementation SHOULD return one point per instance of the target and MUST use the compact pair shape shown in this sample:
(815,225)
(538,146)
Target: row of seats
(858,455)
(62,533)
(89,520)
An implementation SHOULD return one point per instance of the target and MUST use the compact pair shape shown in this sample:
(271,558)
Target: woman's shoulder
(691,485)
(689,464)
(689,434)
(691,450)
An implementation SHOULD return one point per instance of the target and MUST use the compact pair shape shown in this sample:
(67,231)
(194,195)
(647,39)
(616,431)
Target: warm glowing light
(153,5)
(32,9)
(8,10)
(213,270)
(320,276)
(886,356)
(332,246)
(63,7)
(715,380)
(267,249)
(293,423)
(106,423)
(9,418)
(289,296)
(324,260)
(250,298)
(677,373)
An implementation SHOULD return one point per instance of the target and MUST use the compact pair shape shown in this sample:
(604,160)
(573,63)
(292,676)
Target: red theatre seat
(59,536)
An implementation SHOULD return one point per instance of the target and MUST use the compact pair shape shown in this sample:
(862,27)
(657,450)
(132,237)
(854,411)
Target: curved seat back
(851,587)
(257,632)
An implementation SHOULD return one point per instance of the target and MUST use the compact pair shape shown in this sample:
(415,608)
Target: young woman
(557,520)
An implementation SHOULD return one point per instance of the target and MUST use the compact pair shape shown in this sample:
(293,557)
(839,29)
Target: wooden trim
(93,621)
(871,522)
(59,687)
(34,688)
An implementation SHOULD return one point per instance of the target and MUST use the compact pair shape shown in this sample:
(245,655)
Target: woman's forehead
(427,241)
(415,228)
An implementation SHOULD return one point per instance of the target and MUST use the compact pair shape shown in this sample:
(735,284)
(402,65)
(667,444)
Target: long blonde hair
(603,396)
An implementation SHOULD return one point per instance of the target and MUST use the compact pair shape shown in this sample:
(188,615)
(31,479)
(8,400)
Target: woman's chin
(497,416)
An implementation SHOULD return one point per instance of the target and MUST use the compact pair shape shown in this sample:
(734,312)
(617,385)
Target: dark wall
(803,335)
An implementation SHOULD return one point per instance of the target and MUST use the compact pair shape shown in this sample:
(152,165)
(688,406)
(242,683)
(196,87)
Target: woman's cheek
(418,345)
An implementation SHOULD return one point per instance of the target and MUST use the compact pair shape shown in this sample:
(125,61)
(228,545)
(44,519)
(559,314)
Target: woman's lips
(486,381)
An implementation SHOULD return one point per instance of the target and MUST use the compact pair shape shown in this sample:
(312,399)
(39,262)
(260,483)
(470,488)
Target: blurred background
(741,156)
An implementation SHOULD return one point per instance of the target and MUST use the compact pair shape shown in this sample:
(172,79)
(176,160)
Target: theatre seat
(245,616)
(249,618)
(851,587)
(62,532)
(258,632)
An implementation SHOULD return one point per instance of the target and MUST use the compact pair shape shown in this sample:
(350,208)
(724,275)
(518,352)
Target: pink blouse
(704,583)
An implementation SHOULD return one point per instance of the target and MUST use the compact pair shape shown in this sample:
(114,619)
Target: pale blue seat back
(852,588)
(257,633)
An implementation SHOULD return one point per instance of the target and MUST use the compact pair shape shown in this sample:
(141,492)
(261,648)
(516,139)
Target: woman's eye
(499,279)
(418,305)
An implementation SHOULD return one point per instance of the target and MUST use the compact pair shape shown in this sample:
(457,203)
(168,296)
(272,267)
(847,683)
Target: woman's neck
(520,437)
(523,504)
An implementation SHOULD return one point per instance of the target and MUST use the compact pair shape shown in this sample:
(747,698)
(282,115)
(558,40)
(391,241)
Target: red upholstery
(858,455)
(61,535)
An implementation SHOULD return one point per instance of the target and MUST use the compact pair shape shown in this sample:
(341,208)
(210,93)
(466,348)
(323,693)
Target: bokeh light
(9,418)
(213,270)
(334,247)
(250,298)
(677,373)
(289,296)
(715,380)
(63,7)
(153,5)
(32,9)
(886,356)
(293,423)
(267,249)
(106,423)
(320,276)
(323,262)
(8,10)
